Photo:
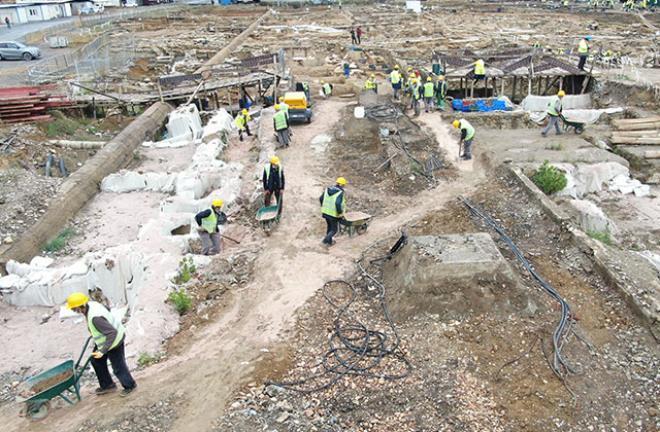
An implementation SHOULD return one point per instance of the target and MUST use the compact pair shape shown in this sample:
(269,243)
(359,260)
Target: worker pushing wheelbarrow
(578,127)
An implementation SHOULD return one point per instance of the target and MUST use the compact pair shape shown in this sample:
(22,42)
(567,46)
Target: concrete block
(454,276)
(592,218)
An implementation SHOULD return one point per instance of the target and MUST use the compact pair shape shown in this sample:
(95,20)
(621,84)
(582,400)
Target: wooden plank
(652,154)
(635,120)
(639,126)
(636,141)
(641,133)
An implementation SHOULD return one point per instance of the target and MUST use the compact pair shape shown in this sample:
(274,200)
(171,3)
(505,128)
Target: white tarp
(540,103)
(583,179)
(587,116)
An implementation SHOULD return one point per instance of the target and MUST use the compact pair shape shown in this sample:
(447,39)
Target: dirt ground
(265,310)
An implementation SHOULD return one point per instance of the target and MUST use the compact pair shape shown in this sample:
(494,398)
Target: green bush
(181,300)
(60,241)
(601,236)
(549,179)
(146,359)
(185,272)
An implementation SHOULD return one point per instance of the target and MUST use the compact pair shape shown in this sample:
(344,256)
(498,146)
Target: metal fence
(97,56)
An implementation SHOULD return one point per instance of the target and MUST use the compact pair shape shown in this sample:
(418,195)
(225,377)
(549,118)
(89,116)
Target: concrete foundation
(455,276)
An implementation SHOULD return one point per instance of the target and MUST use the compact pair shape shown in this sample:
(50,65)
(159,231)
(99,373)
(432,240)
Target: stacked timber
(24,104)
(638,132)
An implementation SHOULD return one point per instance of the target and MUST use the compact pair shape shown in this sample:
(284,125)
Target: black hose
(558,365)
(354,349)
(49,163)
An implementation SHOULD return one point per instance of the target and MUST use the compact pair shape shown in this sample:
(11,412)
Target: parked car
(93,8)
(17,50)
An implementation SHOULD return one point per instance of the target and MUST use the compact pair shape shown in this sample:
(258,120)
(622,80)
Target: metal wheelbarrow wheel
(38,411)
(579,129)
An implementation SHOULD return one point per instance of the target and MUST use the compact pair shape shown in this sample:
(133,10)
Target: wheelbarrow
(268,216)
(578,128)
(62,379)
(354,223)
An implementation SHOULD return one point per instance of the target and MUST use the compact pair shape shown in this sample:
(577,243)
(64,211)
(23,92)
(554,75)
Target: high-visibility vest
(583,47)
(417,91)
(267,171)
(442,89)
(369,84)
(428,90)
(552,106)
(468,128)
(327,90)
(329,206)
(97,310)
(240,121)
(210,222)
(395,77)
(479,67)
(280,120)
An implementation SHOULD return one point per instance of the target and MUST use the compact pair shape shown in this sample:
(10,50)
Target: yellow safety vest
(280,120)
(240,122)
(479,67)
(552,110)
(583,47)
(210,222)
(97,310)
(469,129)
(369,85)
(329,206)
(327,90)
(395,77)
(267,171)
(428,90)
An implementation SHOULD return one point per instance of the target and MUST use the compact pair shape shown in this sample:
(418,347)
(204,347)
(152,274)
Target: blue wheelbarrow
(59,381)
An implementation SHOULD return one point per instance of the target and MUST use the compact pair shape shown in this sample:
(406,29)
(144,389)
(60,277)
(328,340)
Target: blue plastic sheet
(479,105)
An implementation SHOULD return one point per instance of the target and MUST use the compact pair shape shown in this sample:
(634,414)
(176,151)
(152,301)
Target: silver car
(17,50)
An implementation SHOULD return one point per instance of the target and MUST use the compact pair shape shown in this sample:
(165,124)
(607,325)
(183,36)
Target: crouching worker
(108,333)
(208,221)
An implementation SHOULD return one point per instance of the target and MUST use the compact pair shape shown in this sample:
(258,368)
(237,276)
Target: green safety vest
(428,89)
(280,120)
(442,89)
(552,110)
(583,46)
(329,206)
(395,77)
(369,85)
(96,310)
(326,89)
(240,122)
(210,222)
(417,91)
(267,171)
(465,125)
(479,67)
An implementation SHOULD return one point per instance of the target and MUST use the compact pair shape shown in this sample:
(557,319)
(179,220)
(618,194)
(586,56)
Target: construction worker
(370,84)
(108,334)
(583,51)
(333,206)
(241,123)
(208,221)
(467,135)
(395,80)
(440,92)
(305,87)
(429,92)
(285,107)
(554,112)
(415,94)
(479,70)
(327,89)
(273,180)
(281,125)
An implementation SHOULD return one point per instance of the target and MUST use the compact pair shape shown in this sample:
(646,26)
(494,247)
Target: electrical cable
(559,365)
(355,349)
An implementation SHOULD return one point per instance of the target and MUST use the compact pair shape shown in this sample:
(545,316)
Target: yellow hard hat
(277,107)
(410,68)
(341,181)
(429,79)
(217,203)
(275,160)
(322,82)
(456,123)
(76,299)
(244,111)
(281,99)
(396,67)
(561,93)
(372,76)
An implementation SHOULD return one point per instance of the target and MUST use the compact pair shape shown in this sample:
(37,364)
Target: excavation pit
(454,276)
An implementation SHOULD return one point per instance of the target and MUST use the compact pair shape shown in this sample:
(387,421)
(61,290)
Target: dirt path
(291,267)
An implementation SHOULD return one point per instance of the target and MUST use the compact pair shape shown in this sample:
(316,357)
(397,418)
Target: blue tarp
(480,105)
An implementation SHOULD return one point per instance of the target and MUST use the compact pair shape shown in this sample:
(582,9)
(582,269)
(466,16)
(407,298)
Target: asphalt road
(18,32)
